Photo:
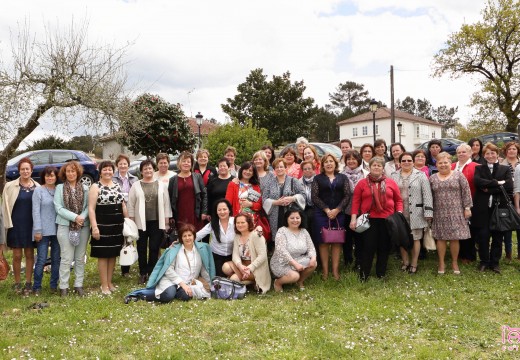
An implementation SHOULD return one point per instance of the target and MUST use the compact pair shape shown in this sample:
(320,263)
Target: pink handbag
(332,235)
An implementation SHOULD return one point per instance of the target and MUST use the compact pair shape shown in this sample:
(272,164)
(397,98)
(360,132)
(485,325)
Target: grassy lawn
(425,316)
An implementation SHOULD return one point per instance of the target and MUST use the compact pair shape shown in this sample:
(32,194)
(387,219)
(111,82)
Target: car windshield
(331,149)
(17,158)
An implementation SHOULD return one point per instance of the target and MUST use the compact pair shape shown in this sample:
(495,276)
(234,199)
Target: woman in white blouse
(183,272)
(222,233)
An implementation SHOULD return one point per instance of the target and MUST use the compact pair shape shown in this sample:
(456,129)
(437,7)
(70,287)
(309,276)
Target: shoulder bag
(504,218)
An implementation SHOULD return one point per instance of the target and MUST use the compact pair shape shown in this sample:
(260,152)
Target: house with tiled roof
(415,130)
(111,148)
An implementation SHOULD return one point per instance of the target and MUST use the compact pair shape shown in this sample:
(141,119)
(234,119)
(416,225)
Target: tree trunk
(23,132)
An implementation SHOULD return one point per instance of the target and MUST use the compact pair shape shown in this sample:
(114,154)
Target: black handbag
(504,218)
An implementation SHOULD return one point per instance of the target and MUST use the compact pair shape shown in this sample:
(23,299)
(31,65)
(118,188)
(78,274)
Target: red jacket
(362,199)
(232,197)
(469,173)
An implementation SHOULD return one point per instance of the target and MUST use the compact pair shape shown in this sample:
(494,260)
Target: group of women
(229,218)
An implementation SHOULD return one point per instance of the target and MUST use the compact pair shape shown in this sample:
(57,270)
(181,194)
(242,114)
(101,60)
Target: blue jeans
(41,257)
(173,292)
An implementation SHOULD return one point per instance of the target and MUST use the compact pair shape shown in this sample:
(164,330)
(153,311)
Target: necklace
(51,193)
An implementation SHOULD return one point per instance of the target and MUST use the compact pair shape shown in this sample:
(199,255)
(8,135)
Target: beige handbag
(428,240)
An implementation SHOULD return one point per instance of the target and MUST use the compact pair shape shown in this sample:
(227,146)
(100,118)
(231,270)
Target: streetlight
(399,129)
(373,108)
(199,117)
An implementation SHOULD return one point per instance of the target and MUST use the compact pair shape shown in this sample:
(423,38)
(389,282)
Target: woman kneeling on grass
(294,258)
(183,272)
(249,255)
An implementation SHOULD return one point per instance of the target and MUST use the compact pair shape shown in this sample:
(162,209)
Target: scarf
(307,187)
(378,191)
(353,175)
(73,201)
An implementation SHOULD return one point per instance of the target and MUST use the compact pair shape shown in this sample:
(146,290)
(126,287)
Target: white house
(415,130)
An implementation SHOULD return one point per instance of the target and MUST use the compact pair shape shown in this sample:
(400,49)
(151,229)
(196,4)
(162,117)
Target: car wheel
(86,180)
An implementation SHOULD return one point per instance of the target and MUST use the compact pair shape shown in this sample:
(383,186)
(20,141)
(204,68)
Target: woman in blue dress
(17,214)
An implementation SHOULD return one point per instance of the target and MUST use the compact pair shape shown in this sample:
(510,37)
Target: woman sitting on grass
(249,255)
(294,258)
(183,272)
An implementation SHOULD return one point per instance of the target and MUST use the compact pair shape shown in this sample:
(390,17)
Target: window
(364,129)
(354,132)
(61,157)
(377,129)
(422,131)
(433,134)
(41,158)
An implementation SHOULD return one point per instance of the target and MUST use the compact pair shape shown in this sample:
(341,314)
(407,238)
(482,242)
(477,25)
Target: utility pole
(392,110)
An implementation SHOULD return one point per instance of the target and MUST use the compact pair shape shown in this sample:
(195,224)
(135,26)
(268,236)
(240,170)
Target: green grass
(425,316)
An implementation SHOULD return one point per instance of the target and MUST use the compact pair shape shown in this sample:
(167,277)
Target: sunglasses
(406,160)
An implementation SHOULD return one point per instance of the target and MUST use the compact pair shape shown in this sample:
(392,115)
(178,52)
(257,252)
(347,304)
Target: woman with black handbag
(488,180)
(331,194)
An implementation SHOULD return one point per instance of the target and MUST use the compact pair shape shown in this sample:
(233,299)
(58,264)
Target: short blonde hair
(464,146)
(279,160)
(200,152)
(443,155)
(261,154)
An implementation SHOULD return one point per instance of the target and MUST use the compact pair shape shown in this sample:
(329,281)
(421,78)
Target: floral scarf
(73,201)
(354,175)
(378,188)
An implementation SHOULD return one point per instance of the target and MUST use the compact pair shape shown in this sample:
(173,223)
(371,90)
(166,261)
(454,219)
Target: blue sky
(211,46)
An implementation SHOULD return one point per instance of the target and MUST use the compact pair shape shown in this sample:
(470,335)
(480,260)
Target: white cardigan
(136,209)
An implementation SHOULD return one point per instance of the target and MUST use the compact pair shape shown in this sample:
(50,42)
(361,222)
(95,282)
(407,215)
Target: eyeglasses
(406,160)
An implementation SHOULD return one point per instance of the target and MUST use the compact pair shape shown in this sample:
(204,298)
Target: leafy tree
(327,129)
(156,126)
(59,75)
(244,137)
(446,117)
(407,105)
(423,108)
(350,98)
(420,107)
(490,49)
(49,142)
(277,105)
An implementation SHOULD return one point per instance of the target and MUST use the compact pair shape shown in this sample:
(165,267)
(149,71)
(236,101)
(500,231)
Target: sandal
(404,267)
(412,269)
(17,288)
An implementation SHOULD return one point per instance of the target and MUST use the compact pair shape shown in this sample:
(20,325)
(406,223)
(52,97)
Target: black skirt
(110,220)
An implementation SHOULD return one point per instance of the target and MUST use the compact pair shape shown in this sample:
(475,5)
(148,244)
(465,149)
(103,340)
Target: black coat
(486,184)
(399,230)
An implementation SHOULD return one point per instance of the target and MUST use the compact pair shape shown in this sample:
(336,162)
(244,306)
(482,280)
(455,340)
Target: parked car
(57,158)
(321,149)
(500,138)
(134,165)
(448,144)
